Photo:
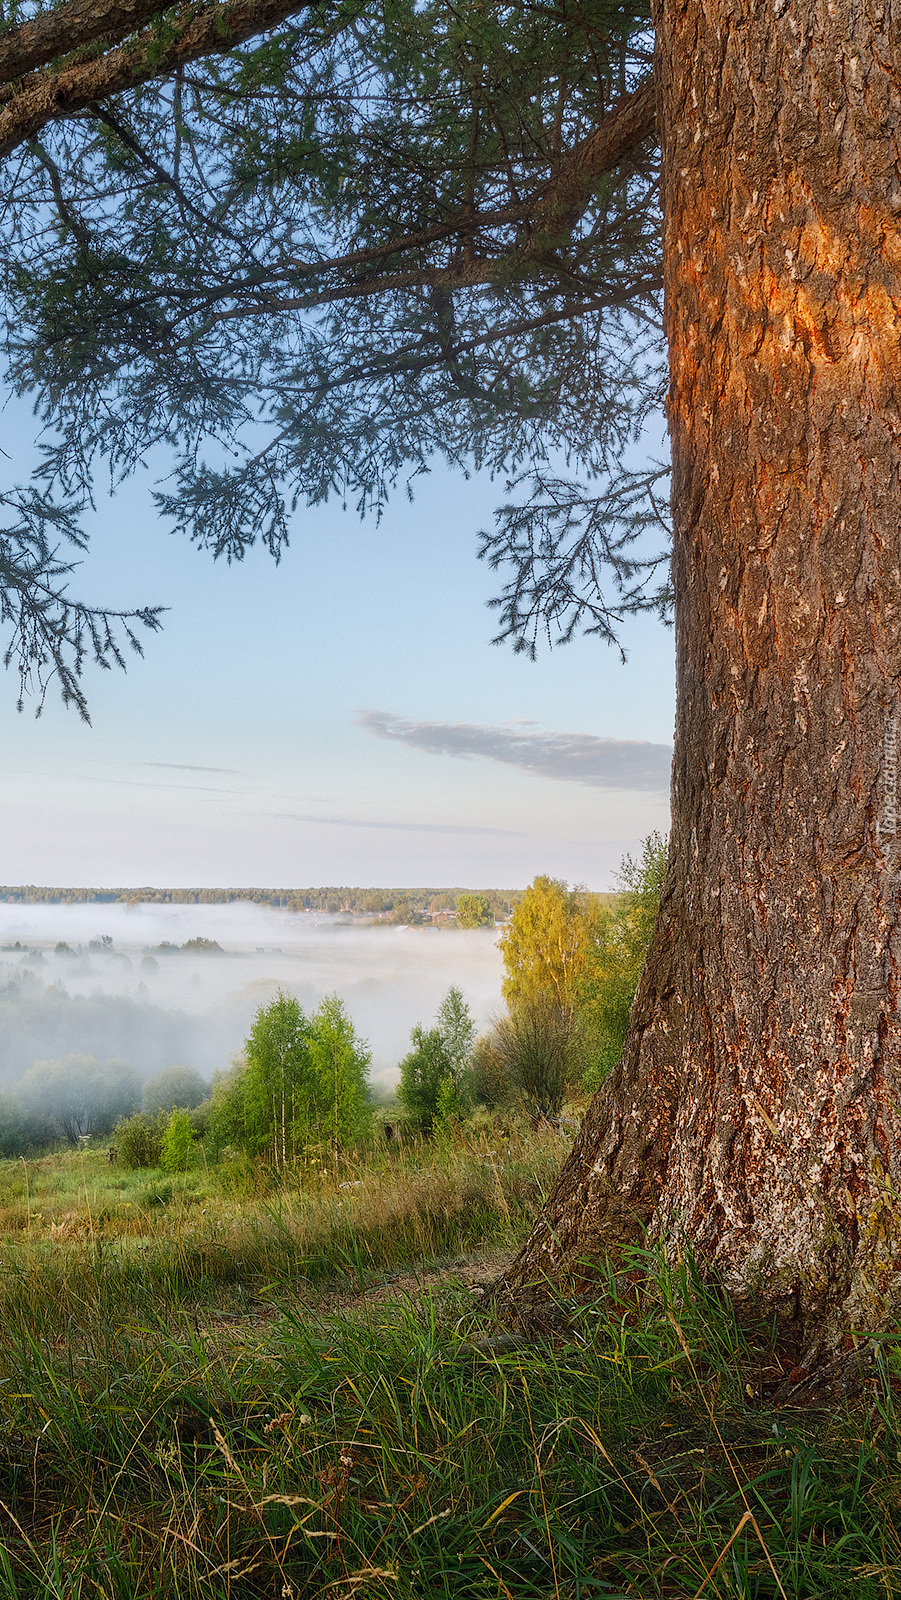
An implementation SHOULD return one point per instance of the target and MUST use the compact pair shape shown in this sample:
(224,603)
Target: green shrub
(178,1142)
(139,1141)
(489,1074)
(534,1047)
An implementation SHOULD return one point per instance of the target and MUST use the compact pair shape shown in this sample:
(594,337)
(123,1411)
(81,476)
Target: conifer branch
(55,94)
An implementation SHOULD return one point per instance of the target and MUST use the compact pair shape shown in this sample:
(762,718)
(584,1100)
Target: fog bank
(152,1008)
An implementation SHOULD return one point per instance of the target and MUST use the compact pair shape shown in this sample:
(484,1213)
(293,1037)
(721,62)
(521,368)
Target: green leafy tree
(278,1087)
(457,1032)
(474,911)
(227,1120)
(434,1075)
(174,1086)
(422,1072)
(177,1142)
(80,1096)
(338,1107)
(302,1081)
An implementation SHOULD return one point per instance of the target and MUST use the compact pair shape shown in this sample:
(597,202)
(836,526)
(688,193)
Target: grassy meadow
(216,1386)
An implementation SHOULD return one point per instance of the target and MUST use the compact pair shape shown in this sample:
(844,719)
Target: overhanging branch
(70,27)
(210,30)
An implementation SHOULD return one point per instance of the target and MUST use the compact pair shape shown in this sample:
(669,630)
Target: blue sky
(341,718)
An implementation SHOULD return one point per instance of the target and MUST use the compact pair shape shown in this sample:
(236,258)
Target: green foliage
(474,911)
(615,961)
(177,1143)
(338,1105)
(533,1045)
(174,1086)
(139,1141)
(457,1032)
(302,1082)
(276,1088)
(434,1075)
(226,1121)
(422,1072)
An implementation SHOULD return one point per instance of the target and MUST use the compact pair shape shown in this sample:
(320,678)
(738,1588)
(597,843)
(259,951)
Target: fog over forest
(130,1001)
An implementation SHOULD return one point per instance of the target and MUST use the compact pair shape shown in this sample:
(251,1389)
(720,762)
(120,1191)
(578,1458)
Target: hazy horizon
(181,1008)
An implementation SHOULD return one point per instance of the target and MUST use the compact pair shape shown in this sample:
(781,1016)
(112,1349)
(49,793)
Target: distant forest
(393,904)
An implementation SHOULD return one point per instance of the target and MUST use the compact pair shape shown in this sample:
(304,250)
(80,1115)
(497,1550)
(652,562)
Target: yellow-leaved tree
(547,943)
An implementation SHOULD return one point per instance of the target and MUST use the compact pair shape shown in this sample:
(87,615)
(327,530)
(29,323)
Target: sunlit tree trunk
(756,1107)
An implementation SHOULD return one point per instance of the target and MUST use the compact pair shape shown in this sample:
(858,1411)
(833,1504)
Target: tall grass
(169,1432)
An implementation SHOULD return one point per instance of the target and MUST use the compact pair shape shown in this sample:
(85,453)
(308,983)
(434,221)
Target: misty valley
(116,982)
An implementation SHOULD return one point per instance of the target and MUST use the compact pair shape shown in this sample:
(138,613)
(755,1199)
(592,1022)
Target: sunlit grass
(189,1409)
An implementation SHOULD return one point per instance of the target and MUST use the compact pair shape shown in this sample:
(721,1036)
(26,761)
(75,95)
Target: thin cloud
(400,827)
(137,783)
(182,766)
(572,757)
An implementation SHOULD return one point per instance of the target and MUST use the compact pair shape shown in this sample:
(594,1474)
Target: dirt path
(473,1271)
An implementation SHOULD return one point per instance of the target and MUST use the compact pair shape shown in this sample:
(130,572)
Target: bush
(489,1074)
(178,1142)
(139,1141)
(534,1048)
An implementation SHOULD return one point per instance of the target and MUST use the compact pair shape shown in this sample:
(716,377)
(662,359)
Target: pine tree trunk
(757,1107)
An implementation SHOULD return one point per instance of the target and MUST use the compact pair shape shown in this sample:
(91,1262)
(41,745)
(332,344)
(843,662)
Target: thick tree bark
(756,1111)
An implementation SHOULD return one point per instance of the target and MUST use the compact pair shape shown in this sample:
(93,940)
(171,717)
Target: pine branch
(70,27)
(53,634)
(194,32)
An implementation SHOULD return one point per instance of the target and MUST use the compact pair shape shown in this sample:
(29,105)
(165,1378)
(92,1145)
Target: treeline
(397,904)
